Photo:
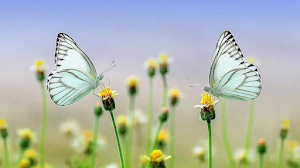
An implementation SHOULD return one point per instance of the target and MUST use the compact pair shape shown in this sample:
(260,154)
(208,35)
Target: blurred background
(129,33)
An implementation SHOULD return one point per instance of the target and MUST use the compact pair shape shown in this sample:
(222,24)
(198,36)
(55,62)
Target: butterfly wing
(73,75)
(230,75)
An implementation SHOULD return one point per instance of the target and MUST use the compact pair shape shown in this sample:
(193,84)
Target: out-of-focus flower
(151,65)
(162,138)
(240,156)
(174,96)
(32,156)
(3,128)
(157,159)
(262,146)
(284,128)
(164,62)
(108,98)
(84,142)
(132,84)
(25,163)
(139,118)
(112,165)
(207,104)
(200,153)
(39,67)
(163,117)
(46,166)
(292,145)
(98,109)
(27,136)
(122,124)
(143,161)
(69,128)
(294,154)
(253,61)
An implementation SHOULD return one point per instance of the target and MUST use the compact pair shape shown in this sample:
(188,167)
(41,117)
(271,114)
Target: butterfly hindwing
(230,75)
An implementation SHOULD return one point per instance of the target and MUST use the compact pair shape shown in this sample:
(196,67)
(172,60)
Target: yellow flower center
(163,58)
(26,133)
(121,120)
(25,163)
(132,81)
(156,156)
(106,93)
(162,136)
(88,135)
(31,154)
(286,124)
(2,124)
(151,63)
(206,99)
(174,93)
(39,65)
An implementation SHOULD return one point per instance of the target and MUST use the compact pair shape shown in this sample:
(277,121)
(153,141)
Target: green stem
(154,141)
(261,161)
(150,111)
(225,135)
(117,137)
(210,144)
(172,137)
(130,134)
(44,127)
(165,89)
(6,153)
(21,154)
(281,153)
(95,136)
(249,132)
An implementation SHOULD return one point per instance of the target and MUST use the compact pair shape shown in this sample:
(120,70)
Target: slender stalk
(130,135)
(117,137)
(172,137)
(95,136)
(225,135)
(210,144)
(249,132)
(6,154)
(165,89)
(261,161)
(150,111)
(154,141)
(21,154)
(281,153)
(44,126)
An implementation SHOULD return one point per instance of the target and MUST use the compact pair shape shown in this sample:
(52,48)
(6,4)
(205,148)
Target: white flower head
(240,156)
(112,165)
(69,128)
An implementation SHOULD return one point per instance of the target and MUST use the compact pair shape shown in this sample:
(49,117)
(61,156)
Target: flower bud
(163,65)
(284,129)
(3,129)
(98,109)
(174,96)
(163,117)
(262,147)
(132,85)
(151,66)
(122,124)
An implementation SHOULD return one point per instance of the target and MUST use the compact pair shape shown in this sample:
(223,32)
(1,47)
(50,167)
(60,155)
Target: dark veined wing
(230,75)
(73,75)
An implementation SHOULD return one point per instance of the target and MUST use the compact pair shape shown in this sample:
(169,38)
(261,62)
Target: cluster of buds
(207,110)
(3,129)
(284,129)
(122,125)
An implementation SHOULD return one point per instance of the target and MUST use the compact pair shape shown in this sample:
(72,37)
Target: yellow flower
(39,66)
(26,133)
(31,154)
(3,124)
(107,93)
(151,64)
(25,163)
(285,124)
(157,156)
(162,136)
(132,81)
(143,160)
(292,145)
(121,120)
(164,59)
(175,93)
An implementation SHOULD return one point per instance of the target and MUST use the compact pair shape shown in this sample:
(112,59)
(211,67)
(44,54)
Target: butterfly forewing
(230,75)
(73,75)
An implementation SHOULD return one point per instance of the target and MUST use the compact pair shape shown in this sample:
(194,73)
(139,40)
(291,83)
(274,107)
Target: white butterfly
(230,75)
(74,75)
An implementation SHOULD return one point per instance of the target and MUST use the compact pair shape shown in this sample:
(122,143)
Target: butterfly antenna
(110,66)
(198,84)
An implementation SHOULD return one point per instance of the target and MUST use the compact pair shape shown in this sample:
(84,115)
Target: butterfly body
(74,75)
(231,77)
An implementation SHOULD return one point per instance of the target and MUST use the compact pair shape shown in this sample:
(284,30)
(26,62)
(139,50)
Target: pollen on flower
(107,93)
(206,99)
